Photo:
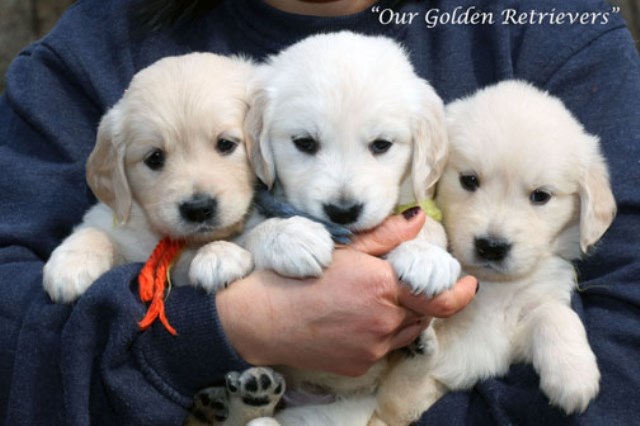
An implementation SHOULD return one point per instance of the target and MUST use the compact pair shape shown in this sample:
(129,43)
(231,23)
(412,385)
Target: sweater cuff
(198,357)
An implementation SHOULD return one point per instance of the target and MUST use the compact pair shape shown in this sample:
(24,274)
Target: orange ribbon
(153,282)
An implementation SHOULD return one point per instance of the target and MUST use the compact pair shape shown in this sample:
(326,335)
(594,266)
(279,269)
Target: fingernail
(411,213)
(478,287)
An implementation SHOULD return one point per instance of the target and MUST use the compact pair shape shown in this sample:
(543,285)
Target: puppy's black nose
(343,215)
(490,248)
(198,209)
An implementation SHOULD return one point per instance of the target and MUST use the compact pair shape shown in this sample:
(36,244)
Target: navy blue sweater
(88,362)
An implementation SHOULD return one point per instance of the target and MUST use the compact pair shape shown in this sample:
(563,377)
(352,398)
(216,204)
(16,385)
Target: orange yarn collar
(152,282)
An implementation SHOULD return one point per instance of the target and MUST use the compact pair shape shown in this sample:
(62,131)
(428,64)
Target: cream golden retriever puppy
(343,129)
(169,161)
(525,192)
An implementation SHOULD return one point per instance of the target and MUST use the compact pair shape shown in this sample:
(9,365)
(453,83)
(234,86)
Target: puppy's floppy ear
(256,126)
(105,167)
(597,205)
(430,143)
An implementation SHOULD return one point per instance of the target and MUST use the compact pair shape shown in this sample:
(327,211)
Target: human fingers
(443,305)
(408,333)
(393,231)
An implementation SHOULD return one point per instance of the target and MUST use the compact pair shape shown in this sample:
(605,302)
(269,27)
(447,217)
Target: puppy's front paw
(425,267)
(76,264)
(218,264)
(425,345)
(295,247)
(264,421)
(255,392)
(571,385)
(210,407)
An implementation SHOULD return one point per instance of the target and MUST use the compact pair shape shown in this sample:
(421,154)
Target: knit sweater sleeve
(87,362)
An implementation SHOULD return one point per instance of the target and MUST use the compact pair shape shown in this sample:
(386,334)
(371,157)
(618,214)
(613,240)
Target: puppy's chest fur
(327,383)
(484,339)
(135,239)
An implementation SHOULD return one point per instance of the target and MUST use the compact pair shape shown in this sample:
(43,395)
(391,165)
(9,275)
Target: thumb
(444,304)
(393,231)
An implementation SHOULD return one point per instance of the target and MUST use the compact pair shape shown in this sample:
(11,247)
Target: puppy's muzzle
(343,215)
(199,209)
(491,248)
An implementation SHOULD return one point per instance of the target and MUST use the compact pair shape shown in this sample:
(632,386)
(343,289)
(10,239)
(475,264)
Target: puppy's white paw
(218,264)
(264,421)
(571,384)
(76,264)
(425,267)
(426,345)
(295,247)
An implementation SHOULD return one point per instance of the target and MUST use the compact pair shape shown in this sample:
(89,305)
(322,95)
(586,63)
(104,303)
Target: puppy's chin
(201,234)
(497,271)
(364,224)
(373,214)
(489,272)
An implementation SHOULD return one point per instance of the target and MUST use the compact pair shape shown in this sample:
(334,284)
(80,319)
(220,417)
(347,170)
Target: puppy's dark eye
(380,146)
(306,144)
(226,146)
(539,197)
(155,159)
(470,182)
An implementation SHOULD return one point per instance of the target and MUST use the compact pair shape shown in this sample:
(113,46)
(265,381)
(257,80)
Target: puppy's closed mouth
(502,271)
(496,269)
(212,230)
(201,231)
(204,230)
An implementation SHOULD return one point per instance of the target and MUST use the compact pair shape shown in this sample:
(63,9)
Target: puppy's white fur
(515,140)
(181,107)
(347,93)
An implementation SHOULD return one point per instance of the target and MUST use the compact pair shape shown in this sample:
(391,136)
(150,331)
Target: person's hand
(391,233)
(342,322)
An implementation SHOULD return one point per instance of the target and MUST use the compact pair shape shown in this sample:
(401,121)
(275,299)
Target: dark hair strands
(156,15)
